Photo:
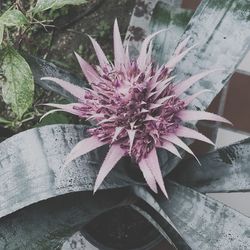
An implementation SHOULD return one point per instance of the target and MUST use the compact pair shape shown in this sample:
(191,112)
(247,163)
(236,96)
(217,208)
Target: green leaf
(4,121)
(43,5)
(223,170)
(18,89)
(12,18)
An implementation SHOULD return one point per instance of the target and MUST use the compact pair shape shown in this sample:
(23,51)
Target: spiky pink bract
(137,108)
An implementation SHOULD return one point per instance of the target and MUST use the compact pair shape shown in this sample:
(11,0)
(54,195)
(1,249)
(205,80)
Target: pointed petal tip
(67,161)
(95,189)
(76,54)
(166,194)
(78,57)
(114,154)
(44,78)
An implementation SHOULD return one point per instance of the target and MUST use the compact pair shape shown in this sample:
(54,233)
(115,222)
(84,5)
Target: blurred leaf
(18,89)
(4,121)
(43,5)
(224,170)
(13,17)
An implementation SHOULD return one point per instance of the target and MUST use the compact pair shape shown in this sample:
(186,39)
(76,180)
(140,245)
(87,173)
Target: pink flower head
(136,107)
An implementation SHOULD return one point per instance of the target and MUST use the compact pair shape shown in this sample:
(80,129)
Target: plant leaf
(43,5)
(13,18)
(175,20)
(58,218)
(203,222)
(37,157)
(155,215)
(18,89)
(211,27)
(165,15)
(55,118)
(223,170)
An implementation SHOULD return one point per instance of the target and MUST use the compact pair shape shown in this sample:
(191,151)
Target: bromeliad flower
(137,107)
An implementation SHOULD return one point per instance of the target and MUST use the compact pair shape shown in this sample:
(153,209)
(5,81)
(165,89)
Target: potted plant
(43,202)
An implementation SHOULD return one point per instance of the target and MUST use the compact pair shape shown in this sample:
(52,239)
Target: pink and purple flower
(136,106)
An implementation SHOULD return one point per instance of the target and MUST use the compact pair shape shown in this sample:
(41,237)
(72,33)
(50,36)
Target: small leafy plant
(17,81)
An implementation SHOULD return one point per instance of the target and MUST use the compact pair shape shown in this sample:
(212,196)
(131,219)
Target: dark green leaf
(18,89)
(43,5)
(203,222)
(41,68)
(224,170)
(4,121)
(13,18)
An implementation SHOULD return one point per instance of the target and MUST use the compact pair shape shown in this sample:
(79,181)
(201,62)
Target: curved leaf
(32,167)
(217,26)
(47,224)
(151,210)
(203,222)
(224,170)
